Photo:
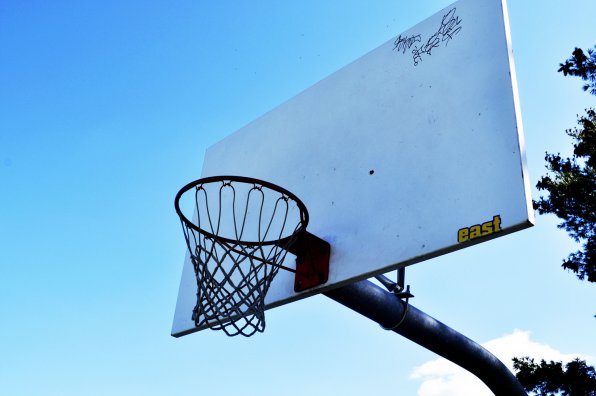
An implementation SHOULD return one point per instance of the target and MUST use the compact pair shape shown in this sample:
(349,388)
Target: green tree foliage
(571,183)
(571,187)
(550,378)
(583,66)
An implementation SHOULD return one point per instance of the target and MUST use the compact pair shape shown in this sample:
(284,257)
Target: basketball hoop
(238,240)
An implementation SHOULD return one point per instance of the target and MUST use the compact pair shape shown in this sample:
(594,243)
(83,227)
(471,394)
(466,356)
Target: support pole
(387,310)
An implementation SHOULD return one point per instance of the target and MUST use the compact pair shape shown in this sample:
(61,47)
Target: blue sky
(106,109)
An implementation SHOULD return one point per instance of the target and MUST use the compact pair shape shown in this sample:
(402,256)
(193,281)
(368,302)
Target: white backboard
(412,151)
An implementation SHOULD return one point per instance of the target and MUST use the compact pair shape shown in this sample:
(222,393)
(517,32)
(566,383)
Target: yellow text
(479,230)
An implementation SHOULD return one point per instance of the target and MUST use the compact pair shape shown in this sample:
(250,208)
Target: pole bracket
(398,290)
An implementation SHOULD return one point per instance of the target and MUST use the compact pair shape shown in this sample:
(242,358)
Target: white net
(238,242)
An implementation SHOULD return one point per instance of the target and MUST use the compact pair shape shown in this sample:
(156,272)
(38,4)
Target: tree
(571,183)
(582,65)
(549,378)
(571,187)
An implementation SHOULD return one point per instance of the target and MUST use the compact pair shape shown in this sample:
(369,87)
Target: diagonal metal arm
(386,309)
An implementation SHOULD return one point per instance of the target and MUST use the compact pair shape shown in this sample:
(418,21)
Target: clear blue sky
(106,109)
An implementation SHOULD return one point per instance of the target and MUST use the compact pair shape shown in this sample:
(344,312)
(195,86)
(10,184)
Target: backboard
(412,151)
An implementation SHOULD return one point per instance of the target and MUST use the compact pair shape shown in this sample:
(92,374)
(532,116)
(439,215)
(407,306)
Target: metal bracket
(397,288)
(404,294)
(312,261)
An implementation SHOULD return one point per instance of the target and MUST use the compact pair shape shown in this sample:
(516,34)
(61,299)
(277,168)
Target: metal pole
(387,310)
